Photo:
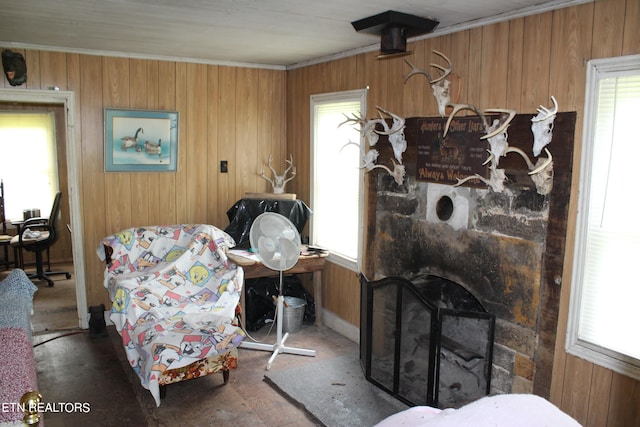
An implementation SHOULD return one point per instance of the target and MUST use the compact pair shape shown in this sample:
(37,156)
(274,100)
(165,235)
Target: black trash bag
(242,214)
(259,303)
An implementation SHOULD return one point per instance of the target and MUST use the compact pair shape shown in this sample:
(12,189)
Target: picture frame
(140,140)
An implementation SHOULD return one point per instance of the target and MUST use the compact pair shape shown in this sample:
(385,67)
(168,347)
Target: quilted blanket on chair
(174,294)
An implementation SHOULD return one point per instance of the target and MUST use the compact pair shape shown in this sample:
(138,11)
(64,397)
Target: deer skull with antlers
(439,85)
(541,173)
(279,181)
(542,127)
(395,133)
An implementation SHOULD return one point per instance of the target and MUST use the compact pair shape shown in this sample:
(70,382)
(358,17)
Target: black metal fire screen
(427,341)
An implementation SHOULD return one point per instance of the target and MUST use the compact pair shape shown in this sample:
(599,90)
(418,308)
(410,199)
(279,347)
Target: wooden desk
(306,264)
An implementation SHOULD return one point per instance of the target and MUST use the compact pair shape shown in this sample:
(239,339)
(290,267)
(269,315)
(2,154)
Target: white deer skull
(395,133)
(541,173)
(439,85)
(495,181)
(279,181)
(397,173)
(369,160)
(542,127)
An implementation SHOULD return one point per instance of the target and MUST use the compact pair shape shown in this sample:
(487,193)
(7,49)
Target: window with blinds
(28,165)
(604,313)
(336,176)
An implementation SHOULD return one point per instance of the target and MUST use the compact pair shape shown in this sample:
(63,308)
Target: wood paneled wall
(516,64)
(225,113)
(243,115)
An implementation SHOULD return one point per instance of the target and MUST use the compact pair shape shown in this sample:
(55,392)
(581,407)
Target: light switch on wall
(224,167)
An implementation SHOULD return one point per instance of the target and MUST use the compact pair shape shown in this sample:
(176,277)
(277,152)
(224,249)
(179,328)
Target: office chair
(38,235)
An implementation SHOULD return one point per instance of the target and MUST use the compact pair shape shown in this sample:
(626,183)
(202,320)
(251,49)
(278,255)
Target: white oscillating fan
(278,245)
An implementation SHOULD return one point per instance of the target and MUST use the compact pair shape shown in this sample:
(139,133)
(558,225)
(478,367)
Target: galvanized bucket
(293,314)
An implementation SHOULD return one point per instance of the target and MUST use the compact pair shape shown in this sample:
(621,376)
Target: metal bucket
(293,314)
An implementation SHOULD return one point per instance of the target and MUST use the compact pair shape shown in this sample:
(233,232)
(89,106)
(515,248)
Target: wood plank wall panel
(89,104)
(545,55)
(631,35)
(154,192)
(197,150)
(515,62)
(600,389)
(139,91)
(115,92)
(182,186)
(214,124)
(163,205)
(341,292)
(417,84)
(535,67)
(227,114)
(568,68)
(495,44)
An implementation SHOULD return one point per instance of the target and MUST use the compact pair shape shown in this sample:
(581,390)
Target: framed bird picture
(140,140)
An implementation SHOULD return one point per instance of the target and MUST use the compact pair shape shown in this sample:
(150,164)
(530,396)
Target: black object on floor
(97,324)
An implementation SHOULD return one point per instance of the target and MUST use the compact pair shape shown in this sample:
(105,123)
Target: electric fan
(278,245)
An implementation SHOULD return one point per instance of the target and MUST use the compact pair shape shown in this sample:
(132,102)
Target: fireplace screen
(427,341)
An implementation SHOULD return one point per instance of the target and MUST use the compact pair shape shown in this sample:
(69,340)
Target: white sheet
(506,410)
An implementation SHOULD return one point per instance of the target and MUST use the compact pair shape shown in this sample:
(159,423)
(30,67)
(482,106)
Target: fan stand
(279,346)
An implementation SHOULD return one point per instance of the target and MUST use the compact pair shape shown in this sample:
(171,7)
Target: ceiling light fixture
(394,28)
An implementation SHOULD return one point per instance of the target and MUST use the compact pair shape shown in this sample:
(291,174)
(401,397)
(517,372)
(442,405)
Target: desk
(306,264)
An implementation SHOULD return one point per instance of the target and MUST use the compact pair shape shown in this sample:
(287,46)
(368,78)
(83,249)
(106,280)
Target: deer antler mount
(278,182)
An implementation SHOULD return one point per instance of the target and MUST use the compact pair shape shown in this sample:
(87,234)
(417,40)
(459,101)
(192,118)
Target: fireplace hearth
(426,341)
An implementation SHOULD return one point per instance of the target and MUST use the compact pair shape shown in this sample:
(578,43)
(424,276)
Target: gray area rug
(336,392)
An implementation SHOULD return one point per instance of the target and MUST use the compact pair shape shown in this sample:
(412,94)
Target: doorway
(67,101)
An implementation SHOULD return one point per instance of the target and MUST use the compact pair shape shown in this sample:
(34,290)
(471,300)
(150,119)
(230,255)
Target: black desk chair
(38,235)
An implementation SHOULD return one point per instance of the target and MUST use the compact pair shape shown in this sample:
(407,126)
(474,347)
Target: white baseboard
(341,326)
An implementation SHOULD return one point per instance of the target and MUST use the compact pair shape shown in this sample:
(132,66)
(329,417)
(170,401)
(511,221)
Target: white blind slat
(611,284)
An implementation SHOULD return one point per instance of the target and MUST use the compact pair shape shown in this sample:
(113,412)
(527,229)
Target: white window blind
(28,165)
(337,176)
(606,285)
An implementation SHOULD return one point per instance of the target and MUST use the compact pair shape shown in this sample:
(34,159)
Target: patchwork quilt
(174,294)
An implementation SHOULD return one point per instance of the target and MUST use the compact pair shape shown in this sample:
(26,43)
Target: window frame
(350,95)
(597,69)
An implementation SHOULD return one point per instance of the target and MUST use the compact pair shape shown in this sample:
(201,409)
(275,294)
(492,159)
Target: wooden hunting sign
(458,155)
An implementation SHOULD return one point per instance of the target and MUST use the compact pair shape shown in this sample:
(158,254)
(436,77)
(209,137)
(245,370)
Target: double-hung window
(605,289)
(28,165)
(336,176)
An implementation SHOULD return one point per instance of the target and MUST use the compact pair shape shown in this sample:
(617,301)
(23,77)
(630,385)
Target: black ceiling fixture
(394,28)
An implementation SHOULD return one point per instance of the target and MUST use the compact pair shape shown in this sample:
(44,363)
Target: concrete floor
(72,368)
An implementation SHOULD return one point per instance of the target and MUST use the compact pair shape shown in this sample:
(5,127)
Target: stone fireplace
(506,249)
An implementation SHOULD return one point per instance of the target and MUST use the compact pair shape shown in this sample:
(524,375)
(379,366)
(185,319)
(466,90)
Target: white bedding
(507,410)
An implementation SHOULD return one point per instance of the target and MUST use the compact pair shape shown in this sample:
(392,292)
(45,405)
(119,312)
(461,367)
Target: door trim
(66,98)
